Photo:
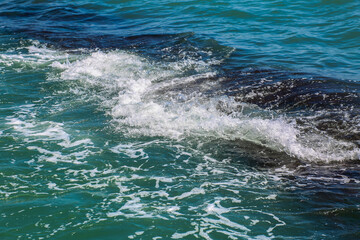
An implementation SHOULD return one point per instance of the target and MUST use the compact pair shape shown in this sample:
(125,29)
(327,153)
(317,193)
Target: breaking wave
(187,98)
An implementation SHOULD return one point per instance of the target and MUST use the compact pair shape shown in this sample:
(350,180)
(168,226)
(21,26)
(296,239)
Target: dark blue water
(179,119)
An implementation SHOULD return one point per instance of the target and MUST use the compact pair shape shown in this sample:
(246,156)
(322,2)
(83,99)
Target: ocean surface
(181,119)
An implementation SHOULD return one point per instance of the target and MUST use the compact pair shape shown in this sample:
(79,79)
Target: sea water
(179,119)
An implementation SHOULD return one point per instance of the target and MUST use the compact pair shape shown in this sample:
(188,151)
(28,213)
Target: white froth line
(130,150)
(162,179)
(269,197)
(185,234)
(56,156)
(194,191)
(53,186)
(270,229)
(225,221)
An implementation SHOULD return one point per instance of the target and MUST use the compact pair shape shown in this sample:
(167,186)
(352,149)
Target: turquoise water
(179,120)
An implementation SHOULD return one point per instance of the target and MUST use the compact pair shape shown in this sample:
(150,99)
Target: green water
(179,120)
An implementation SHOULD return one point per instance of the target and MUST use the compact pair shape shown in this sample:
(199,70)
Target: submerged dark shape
(330,105)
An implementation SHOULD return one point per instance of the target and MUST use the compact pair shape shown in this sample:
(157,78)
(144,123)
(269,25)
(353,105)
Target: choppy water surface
(179,120)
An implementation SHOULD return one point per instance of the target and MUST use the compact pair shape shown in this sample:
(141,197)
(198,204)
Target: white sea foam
(32,56)
(35,132)
(129,86)
(130,150)
(210,197)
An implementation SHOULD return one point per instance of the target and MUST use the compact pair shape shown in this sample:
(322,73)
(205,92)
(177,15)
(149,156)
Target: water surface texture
(179,119)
